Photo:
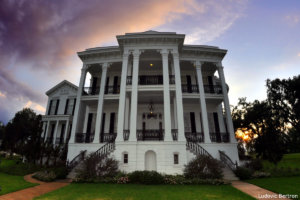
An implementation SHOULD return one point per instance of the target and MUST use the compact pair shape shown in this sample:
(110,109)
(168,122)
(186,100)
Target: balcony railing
(59,141)
(126,135)
(210,89)
(109,137)
(194,137)
(49,139)
(174,134)
(84,137)
(213,89)
(115,89)
(190,89)
(152,134)
(219,137)
(90,91)
(151,80)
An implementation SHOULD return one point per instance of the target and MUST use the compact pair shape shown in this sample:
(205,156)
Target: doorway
(150,161)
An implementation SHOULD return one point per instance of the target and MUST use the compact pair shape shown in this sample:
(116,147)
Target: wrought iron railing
(115,89)
(90,91)
(152,134)
(109,137)
(76,160)
(59,140)
(219,137)
(49,139)
(105,149)
(227,161)
(197,149)
(126,135)
(174,134)
(194,137)
(84,137)
(213,89)
(190,88)
(151,80)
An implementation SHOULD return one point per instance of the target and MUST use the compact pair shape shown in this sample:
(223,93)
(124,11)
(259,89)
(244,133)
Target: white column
(47,130)
(127,116)
(180,120)
(226,104)
(100,103)
(175,113)
(167,111)
(221,119)
(78,102)
(55,132)
(134,95)
(121,110)
(66,131)
(202,103)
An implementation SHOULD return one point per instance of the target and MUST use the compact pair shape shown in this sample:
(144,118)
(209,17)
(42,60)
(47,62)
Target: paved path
(35,191)
(255,191)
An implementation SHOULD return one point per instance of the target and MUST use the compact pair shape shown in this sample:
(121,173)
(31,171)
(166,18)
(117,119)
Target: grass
(87,191)
(282,185)
(11,183)
(291,161)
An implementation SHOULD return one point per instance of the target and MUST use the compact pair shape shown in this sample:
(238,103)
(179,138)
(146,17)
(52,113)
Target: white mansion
(152,103)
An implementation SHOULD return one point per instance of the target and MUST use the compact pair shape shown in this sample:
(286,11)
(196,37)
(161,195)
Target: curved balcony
(90,91)
(219,137)
(151,80)
(208,89)
(84,137)
(194,137)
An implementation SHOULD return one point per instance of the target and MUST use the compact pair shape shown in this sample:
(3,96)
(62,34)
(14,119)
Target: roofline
(59,84)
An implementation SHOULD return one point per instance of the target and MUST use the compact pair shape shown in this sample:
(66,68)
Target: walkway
(35,191)
(255,191)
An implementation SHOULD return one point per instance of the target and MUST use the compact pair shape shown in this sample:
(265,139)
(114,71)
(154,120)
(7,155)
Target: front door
(150,161)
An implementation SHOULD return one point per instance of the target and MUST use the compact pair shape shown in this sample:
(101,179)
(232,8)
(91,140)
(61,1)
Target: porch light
(151,65)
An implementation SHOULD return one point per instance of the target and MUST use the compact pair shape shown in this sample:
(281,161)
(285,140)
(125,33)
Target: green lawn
(11,183)
(145,192)
(282,185)
(288,161)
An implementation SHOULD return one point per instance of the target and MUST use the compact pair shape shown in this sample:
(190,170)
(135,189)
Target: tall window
(176,159)
(53,107)
(69,106)
(125,158)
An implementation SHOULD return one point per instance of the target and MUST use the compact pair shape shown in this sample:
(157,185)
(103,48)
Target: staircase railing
(197,149)
(105,149)
(76,160)
(227,161)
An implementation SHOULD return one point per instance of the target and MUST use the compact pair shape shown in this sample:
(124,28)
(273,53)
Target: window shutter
(66,107)
(50,105)
(74,106)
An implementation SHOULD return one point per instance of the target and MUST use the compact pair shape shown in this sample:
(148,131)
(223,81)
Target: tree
(264,128)
(284,98)
(23,134)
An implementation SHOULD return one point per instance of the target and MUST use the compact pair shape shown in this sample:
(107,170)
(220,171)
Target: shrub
(203,167)
(96,168)
(45,175)
(146,177)
(258,174)
(243,173)
(255,165)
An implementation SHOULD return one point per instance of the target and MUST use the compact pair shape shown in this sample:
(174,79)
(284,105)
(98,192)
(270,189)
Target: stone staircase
(229,166)
(77,162)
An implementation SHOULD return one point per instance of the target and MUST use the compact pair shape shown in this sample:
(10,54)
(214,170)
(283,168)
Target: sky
(39,40)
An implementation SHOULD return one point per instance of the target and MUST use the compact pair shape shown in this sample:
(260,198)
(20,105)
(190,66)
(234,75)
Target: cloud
(42,37)
(35,106)
(2,95)
(292,19)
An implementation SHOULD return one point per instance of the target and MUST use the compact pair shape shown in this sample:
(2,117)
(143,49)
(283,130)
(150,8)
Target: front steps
(228,174)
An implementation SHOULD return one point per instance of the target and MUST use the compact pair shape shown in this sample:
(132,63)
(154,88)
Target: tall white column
(226,104)
(180,120)
(134,95)
(47,130)
(202,103)
(175,113)
(100,103)
(127,116)
(167,111)
(78,103)
(121,112)
(55,132)
(66,131)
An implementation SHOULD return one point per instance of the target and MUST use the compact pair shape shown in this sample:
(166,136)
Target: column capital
(105,65)
(163,52)
(198,64)
(219,65)
(136,52)
(84,67)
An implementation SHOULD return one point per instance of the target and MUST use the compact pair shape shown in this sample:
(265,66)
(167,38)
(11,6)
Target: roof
(64,82)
